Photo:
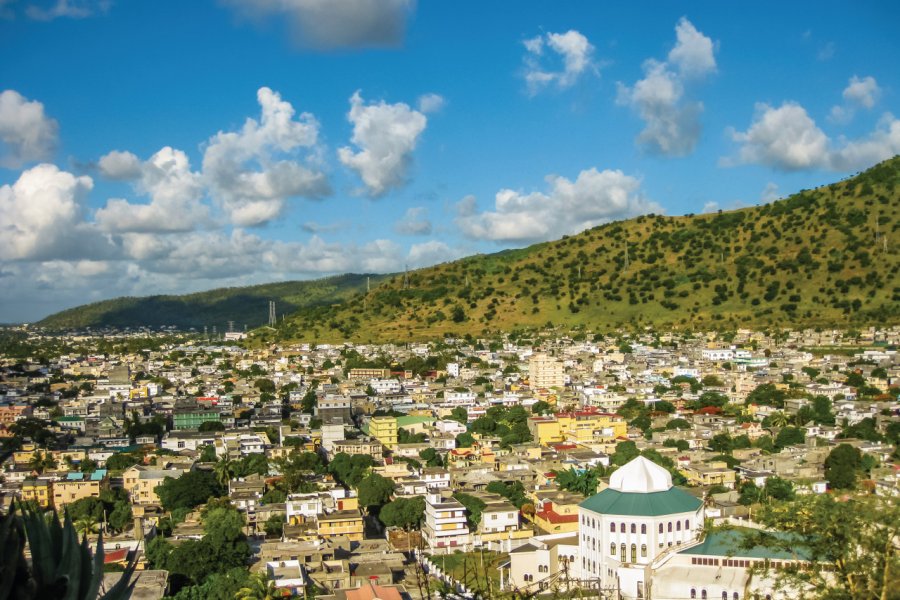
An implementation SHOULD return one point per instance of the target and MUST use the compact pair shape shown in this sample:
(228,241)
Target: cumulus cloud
(859,93)
(175,193)
(43,217)
(27,134)
(429,103)
(414,222)
(671,122)
(770,192)
(595,197)
(787,138)
(66,9)
(431,253)
(253,196)
(386,135)
(334,24)
(571,47)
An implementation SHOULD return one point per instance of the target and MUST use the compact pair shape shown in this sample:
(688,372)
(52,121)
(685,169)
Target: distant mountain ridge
(214,308)
(825,257)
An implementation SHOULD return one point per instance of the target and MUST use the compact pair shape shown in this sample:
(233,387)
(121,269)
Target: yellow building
(579,427)
(77,486)
(713,473)
(141,482)
(37,490)
(341,523)
(384,429)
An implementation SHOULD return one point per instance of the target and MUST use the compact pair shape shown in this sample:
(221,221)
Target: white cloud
(770,192)
(69,9)
(429,103)
(671,123)
(120,166)
(27,134)
(862,92)
(332,24)
(710,207)
(386,135)
(256,196)
(693,52)
(787,138)
(573,48)
(595,197)
(43,217)
(431,253)
(414,222)
(175,193)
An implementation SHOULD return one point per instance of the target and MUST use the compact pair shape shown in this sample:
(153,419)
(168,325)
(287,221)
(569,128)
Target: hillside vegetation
(243,305)
(823,257)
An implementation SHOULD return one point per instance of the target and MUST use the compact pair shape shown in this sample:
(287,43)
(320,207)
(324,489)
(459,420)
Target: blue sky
(168,147)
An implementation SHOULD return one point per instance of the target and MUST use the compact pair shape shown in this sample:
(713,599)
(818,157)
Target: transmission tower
(272,318)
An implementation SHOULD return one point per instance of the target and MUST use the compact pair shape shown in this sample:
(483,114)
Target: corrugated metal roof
(653,504)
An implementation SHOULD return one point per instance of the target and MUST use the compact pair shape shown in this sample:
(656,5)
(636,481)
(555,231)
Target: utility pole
(272,318)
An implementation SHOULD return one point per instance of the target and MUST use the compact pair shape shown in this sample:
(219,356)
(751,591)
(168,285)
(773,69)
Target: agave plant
(61,567)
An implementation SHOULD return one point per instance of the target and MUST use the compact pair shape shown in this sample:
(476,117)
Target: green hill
(243,305)
(824,257)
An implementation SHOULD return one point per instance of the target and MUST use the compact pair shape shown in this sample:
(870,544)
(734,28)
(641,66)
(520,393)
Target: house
(77,486)
(347,523)
(141,482)
(445,524)
(543,559)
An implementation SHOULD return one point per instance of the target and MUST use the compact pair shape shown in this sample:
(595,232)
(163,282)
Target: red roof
(555,517)
(114,556)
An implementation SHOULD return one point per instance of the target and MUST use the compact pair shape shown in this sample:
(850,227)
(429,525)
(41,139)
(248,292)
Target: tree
(259,587)
(224,469)
(406,513)
(264,385)
(721,442)
(208,454)
(842,465)
(120,518)
(778,419)
(191,489)
(664,406)
(851,546)
(375,490)
(465,440)
(274,525)
(460,414)
(122,460)
(789,436)
(211,426)
(680,445)
(431,457)
(779,489)
(473,505)
(541,408)
(582,482)
(625,451)
(350,470)
(87,525)
(678,424)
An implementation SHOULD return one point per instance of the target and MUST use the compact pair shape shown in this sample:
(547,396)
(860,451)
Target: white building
(445,524)
(546,561)
(545,372)
(718,354)
(639,517)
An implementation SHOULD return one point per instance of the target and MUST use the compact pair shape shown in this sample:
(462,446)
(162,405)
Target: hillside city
(752,464)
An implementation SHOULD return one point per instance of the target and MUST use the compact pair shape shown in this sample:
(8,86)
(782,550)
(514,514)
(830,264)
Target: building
(580,427)
(192,418)
(365,374)
(353,447)
(639,517)
(140,482)
(384,429)
(347,523)
(334,409)
(544,559)
(77,486)
(38,490)
(545,372)
(445,524)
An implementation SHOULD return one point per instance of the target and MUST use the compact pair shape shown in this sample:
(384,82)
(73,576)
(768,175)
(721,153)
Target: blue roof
(98,475)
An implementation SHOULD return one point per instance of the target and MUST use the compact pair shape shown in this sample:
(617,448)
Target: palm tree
(37,461)
(779,419)
(258,587)
(86,525)
(224,470)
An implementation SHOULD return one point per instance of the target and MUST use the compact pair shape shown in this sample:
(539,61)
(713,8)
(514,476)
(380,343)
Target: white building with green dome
(627,526)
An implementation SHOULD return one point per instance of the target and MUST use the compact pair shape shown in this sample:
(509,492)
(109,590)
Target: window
(643,528)
(621,527)
(612,549)
(702,594)
(643,550)
(724,595)
(734,596)
(634,553)
(622,555)
(612,527)
(670,526)
(660,528)
(678,525)
(633,528)
(693,593)
(687,524)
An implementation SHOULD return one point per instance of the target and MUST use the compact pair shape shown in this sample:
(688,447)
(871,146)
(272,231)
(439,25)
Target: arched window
(693,593)
(687,524)
(660,527)
(643,550)
(612,549)
(702,594)
(634,528)
(594,544)
(612,527)
(724,595)
(670,526)
(735,596)
(634,553)
(678,525)
(622,555)
(621,527)
(643,528)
